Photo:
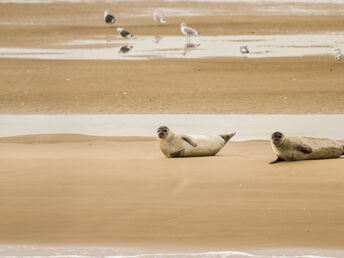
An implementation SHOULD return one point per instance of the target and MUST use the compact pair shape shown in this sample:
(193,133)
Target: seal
(182,145)
(302,148)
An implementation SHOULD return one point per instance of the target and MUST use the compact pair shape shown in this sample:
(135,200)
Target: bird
(124,33)
(339,56)
(244,50)
(109,18)
(188,31)
(158,17)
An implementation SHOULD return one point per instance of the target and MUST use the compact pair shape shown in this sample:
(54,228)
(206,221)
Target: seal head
(277,138)
(163,132)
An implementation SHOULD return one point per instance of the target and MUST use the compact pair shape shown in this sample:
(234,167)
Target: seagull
(244,50)
(339,55)
(158,17)
(124,33)
(109,18)
(188,31)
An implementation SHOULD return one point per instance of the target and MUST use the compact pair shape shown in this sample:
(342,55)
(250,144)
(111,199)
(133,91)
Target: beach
(68,189)
(79,190)
(308,84)
(282,85)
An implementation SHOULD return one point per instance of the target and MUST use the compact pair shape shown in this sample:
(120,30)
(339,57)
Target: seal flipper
(227,137)
(304,148)
(176,154)
(276,160)
(190,141)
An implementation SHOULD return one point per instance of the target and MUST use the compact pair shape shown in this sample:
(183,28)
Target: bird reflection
(157,39)
(125,49)
(189,46)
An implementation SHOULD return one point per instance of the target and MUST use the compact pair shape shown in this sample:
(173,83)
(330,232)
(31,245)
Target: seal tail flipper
(227,137)
(276,160)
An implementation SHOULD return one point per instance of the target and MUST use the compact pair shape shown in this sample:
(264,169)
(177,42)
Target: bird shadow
(189,46)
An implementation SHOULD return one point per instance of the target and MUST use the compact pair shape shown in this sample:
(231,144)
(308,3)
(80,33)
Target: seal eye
(165,130)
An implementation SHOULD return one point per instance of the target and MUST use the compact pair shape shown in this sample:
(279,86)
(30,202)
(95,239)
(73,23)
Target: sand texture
(232,85)
(122,191)
(106,191)
(272,86)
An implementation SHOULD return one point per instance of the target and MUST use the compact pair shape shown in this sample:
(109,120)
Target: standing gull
(244,50)
(124,33)
(109,18)
(188,31)
(158,17)
(339,55)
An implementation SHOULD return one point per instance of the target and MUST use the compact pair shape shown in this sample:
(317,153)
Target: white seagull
(158,17)
(339,55)
(109,18)
(188,31)
(124,33)
(244,50)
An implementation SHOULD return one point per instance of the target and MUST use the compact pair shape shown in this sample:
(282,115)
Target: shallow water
(87,252)
(150,47)
(248,127)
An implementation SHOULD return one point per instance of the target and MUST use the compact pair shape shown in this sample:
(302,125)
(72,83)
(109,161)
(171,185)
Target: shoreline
(92,251)
(248,127)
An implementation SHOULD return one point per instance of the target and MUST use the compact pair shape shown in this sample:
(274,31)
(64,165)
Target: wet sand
(39,25)
(74,189)
(232,85)
(272,86)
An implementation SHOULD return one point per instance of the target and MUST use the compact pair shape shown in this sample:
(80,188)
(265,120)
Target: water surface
(88,252)
(150,47)
(248,127)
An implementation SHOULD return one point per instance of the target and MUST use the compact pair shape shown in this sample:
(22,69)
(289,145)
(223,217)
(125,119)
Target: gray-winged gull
(188,31)
(244,50)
